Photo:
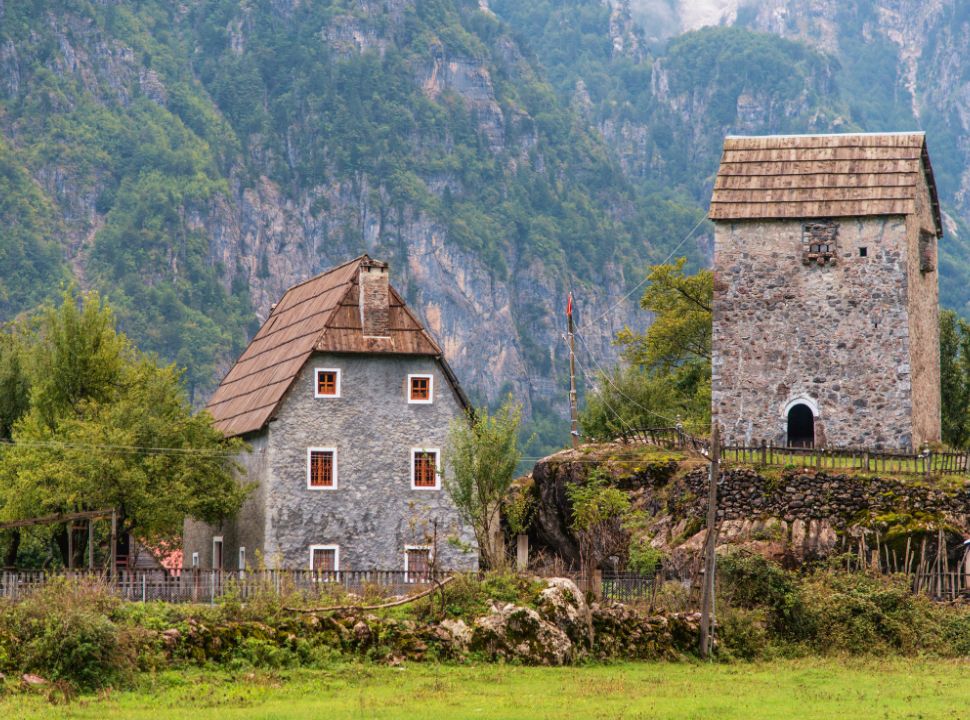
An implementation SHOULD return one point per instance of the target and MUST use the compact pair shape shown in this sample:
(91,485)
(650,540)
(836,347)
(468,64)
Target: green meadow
(804,689)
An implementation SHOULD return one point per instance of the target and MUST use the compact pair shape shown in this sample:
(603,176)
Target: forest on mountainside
(191,161)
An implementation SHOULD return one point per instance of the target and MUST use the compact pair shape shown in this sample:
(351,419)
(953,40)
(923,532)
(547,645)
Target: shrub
(64,632)
(644,558)
(751,581)
(743,634)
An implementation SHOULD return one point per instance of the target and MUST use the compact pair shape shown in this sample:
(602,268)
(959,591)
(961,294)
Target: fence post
(143,586)
(764,452)
(522,552)
(928,460)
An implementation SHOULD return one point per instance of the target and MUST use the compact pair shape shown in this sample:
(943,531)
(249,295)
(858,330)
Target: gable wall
(373,513)
(838,335)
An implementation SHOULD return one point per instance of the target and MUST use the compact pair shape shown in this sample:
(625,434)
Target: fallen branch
(403,601)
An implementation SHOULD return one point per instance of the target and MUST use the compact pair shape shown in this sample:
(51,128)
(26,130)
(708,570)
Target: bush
(65,633)
(743,634)
(750,581)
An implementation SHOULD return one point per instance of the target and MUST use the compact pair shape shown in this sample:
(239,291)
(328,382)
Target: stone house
(825,291)
(345,400)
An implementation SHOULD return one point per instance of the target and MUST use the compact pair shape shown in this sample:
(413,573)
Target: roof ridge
(335,268)
(897,133)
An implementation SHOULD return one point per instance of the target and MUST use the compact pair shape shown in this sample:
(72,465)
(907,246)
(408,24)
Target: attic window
(321,471)
(424,469)
(927,251)
(420,389)
(327,383)
(863,252)
(819,243)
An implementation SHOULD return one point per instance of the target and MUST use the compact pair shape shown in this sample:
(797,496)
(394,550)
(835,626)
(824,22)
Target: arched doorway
(801,426)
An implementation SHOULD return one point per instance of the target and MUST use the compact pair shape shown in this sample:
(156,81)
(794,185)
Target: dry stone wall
(842,500)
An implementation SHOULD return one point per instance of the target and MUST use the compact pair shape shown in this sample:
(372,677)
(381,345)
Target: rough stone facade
(373,513)
(850,332)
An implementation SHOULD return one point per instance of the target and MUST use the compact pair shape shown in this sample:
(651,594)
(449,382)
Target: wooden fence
(206,586)
(927,463)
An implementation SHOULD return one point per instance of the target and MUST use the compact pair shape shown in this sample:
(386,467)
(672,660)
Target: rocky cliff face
(273,201)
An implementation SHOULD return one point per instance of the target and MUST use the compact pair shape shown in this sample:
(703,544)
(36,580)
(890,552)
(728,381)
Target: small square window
(424,469)
(321,468)
(324,558)
(863,252)
(420,389)
(327,383)
(417,564)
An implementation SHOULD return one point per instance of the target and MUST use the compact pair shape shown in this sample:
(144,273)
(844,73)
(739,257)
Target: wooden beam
(55,519)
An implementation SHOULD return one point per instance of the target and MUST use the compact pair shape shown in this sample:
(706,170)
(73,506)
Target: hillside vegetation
(192,160)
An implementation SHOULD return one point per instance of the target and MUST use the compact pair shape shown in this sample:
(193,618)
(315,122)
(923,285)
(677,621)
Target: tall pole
(573,414)
(707,598)
(113,554)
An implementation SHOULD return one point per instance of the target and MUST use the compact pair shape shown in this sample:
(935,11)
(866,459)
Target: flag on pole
(569,306)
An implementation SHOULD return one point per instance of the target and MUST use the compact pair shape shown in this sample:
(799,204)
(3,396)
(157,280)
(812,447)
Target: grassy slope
(784,689)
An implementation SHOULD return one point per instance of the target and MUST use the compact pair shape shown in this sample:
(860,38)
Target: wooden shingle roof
(321,314)
(813,176)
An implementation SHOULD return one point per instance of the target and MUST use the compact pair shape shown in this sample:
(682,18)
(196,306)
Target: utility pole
(574,425)
(707,598)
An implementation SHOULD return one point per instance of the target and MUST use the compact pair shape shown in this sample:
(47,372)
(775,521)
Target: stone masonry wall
(246,530)
(840,499)
(924,304)
(373,513)
(835,335)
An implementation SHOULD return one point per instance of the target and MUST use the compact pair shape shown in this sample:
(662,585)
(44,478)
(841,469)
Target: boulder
(511,632)
(31,679)
(564,605)
(455,635)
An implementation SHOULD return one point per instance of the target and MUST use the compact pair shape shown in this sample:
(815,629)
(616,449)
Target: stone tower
(825,291)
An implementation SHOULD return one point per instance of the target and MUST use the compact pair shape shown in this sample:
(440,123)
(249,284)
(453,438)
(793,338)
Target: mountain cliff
(192,160)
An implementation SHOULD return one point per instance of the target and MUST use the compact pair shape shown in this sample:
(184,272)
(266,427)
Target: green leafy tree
(14,380)
(955,379)
(666,371)
(601,515)
(482,455)
(108,427)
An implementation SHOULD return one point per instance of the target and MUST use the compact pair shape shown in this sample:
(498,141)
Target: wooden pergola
(90,516)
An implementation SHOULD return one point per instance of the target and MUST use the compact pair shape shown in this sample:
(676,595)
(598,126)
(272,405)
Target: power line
(119,449)
(606,375)
(640,284)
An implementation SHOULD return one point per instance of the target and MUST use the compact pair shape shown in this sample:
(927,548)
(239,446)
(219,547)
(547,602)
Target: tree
(680,334)
(955,379)
(601,515)
(666,371)
(14,380)
(482,456)
(108,427)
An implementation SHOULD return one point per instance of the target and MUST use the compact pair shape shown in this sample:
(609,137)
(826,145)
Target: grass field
(791,689)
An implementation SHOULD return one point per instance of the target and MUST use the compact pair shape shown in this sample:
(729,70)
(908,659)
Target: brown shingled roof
(802,176)
(321,314)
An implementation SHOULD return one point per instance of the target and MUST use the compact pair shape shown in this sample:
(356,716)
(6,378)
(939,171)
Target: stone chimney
(375,311)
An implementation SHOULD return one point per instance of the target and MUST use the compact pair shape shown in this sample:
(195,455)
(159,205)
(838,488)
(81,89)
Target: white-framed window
(417,563)
(326,382)
(217,552)
(195,559)
(325,558)
(420,389)
(425,469)
(321,468)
